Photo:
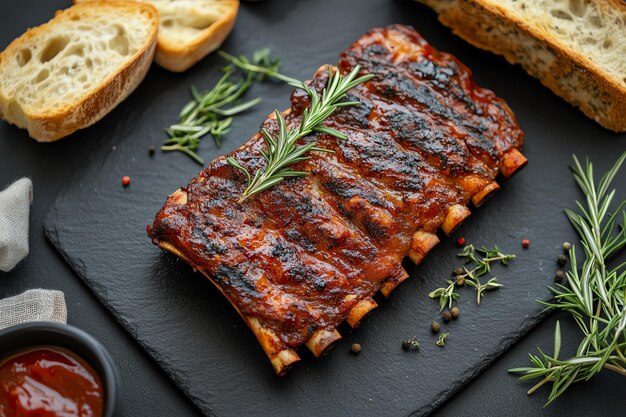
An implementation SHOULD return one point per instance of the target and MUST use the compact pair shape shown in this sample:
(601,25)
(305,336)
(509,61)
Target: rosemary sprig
(212,111)
(482,266)
(282,150)
(261,65)
(492,284)
(596,294)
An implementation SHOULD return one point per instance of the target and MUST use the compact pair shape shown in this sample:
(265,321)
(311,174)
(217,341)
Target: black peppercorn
(455,312)
(435,327)
(561,259)
(446,315)
(355,349)
(559,275)
(151,151)
(457,271)
(410,344)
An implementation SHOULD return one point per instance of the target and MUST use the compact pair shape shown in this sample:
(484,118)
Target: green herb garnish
(483,266)
(441,340)
(262,66)
(212,111)
(446,295)
(469,277)
(596,294)
(282,151)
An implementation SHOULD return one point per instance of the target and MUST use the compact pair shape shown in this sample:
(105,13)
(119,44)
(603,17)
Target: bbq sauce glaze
(299,256)
(49,382)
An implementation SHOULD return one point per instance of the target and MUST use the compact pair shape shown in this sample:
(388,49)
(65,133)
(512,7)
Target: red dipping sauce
(49,382)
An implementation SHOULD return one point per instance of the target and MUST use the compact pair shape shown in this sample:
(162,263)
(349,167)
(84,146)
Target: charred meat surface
(298,259)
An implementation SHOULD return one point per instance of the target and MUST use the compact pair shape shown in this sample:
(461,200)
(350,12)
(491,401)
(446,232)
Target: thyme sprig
(492,284)
(282,150)
(212,111)
(596,294)
(482,266)
(446,295)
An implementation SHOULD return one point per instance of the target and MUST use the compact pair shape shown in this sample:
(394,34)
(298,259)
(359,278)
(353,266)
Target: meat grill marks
(309,253)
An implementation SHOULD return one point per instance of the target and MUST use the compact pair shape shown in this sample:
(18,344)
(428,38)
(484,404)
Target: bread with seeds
(577,48)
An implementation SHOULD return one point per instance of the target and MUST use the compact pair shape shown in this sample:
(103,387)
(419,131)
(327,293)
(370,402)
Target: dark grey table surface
(147,391)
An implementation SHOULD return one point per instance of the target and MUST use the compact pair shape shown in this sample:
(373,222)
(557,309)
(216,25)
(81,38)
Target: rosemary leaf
(596,293)
(282,150)
(211,112)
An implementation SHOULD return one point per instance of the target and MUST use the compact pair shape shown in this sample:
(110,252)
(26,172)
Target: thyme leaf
(446,295)
(482,258)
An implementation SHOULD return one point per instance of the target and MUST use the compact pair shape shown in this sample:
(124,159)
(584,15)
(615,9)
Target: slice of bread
(577,48)
(67,74)
(190,29)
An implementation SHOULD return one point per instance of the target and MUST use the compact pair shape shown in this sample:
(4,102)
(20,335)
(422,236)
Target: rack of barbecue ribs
(298,259)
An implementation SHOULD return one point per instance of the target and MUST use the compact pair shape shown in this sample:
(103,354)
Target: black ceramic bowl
(40,334)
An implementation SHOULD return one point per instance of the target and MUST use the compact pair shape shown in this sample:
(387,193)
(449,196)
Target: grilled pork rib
(299,258)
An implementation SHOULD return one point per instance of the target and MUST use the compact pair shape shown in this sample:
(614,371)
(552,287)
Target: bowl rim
(108,376)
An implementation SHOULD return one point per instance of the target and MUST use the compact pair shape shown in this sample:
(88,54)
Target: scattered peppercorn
(446,315)
(125,180)
(561,259)
(355,349)
(410,344)
(559,275)
(567,246)
(460,241)
(435,327)
(457,271)
(459,280)
(151,150)
(455,312)
(525,243)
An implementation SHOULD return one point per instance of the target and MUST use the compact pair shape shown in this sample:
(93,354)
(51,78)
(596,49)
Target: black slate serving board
(194,334)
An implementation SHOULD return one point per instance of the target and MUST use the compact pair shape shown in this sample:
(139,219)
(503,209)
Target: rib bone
(360,310)
(483,195)
(322,340)
(389,285)
(421,243)
(456,214)
(512,162)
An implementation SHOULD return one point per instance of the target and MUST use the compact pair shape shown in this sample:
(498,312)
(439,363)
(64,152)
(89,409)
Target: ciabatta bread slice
(190,29)
(68,73)
(577,48)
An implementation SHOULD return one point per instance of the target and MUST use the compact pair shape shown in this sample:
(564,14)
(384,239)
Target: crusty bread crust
(101,100)
(567,72)
(179,57)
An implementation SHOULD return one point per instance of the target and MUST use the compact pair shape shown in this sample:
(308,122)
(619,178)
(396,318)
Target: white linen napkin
(33,305)
(14,215)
